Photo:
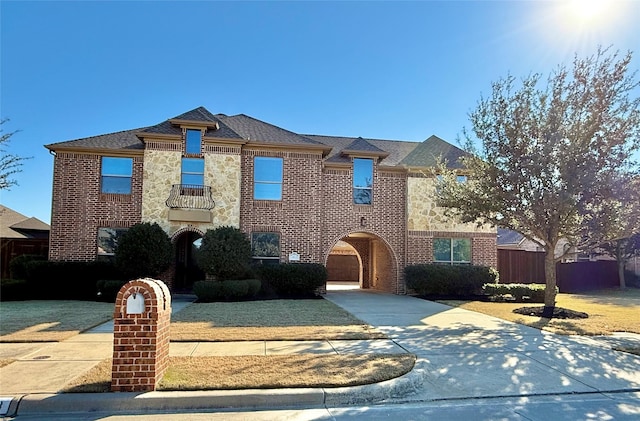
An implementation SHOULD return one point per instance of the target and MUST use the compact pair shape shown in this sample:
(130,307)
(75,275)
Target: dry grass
(317,319)
(609,311)
(5,361)
(264,372)
(48,320)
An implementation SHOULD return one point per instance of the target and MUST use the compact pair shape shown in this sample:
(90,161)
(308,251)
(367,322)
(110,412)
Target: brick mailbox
(140,335)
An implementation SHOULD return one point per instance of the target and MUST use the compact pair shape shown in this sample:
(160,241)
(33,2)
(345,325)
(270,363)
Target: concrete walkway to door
(464,354)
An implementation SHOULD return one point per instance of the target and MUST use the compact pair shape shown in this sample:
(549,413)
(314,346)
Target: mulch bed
(558,312)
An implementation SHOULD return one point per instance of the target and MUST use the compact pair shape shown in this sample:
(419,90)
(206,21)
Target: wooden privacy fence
(526,267)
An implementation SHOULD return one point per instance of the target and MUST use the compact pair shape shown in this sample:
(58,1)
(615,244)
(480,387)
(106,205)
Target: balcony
(190,203)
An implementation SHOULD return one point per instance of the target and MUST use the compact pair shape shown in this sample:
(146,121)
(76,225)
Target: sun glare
(586,11)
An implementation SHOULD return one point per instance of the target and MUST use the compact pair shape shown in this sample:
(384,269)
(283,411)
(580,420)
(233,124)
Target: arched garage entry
(186,242)
(364,259)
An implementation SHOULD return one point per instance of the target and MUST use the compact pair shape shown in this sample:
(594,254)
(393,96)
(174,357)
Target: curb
(48,403)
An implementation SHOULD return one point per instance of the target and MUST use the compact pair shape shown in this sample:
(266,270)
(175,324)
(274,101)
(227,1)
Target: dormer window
(193,139)
(362,181)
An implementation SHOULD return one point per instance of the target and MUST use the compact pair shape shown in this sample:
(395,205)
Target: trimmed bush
(107,289)
(18,266)
(207,291)
(448,280)
(293,279)
(225,253)
(13,289)
(520,292)
(63,280)
(144,250)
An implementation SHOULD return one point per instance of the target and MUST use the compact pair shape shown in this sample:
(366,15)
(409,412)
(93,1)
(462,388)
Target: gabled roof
(16,225)
(427,154)
(254,130)
(197,115)
(362,147)
(339,149)
(126,139)
(508,237)
(397,149)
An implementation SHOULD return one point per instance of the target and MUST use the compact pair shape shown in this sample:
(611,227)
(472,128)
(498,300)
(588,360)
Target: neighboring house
(299,198)
(20,235)
(512,240)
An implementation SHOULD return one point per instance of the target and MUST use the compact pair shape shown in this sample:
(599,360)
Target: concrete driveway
(464,354)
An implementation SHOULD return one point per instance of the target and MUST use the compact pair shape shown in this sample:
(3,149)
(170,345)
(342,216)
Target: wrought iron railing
(187,196)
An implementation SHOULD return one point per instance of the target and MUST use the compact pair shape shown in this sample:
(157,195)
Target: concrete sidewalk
(461,354)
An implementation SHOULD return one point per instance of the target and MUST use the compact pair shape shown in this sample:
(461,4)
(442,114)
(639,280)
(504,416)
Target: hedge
(520,292)
(207,291)
(448,280)
(293,279)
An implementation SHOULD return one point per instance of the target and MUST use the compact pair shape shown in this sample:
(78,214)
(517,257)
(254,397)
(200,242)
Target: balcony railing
(187,196)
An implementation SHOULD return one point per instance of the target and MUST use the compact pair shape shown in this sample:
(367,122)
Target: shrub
(520,292)
(144,250)
(18,266)
(226,290)
(225,253)
(107,289)
(63,280)
(448,280)
(13,289)
(293,279)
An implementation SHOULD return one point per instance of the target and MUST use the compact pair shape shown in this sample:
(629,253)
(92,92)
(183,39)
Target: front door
(187,270)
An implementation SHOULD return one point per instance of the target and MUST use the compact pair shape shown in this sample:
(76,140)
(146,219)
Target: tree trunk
(620,246)
(550,289)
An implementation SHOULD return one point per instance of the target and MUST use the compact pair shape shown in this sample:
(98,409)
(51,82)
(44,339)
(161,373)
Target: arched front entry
(364,259)
(186,270)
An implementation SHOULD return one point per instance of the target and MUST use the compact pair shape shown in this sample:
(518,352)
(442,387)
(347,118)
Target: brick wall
(316,211)
(297,218)
(384,219)
(141,340)
(483,246)
(79,209)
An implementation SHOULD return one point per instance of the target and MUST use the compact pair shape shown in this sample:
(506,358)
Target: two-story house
(299,198)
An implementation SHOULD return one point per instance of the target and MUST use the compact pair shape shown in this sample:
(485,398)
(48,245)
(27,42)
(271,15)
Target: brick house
(306,198)
(20,235)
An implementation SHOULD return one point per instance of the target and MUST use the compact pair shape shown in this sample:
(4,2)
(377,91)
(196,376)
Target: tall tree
(551,156)
(9,163)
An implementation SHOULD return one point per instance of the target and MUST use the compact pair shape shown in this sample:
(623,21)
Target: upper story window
(362,181)
(116,175)
(452,250)
(267,178)
(193,142)
(193,171)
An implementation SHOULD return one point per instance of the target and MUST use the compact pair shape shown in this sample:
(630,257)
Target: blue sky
(389,70)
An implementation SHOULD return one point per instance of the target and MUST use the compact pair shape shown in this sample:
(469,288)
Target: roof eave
(98,151)
(324,149)
(367,154)
(196,123)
